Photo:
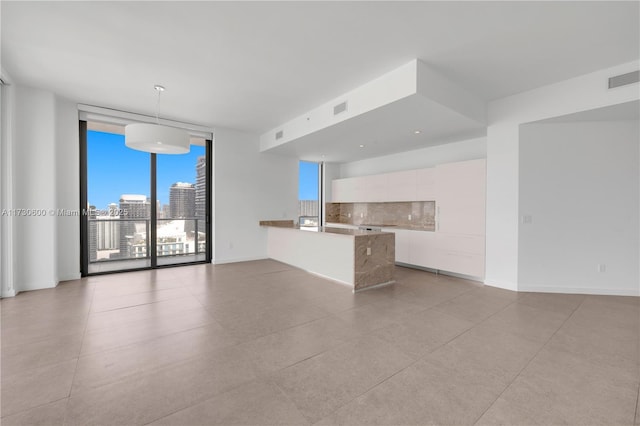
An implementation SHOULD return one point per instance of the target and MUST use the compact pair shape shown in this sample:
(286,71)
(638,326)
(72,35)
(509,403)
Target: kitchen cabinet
(344,190)
(458,245)
(408,185)
(461,263)
(402,244)
(425,185)
(460,197)
(374,189)
(402,186)
(423,249)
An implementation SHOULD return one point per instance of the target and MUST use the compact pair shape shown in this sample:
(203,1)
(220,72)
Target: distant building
(164,212)
(133,206)
(182,200)
(108,230)
(308,213)
(308,208)
(201,187)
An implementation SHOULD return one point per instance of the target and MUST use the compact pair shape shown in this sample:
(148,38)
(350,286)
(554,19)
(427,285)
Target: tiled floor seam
(4,416)
(636,419)
(75,371)
(134,306)
(360,394)
(201,401)
(528,362)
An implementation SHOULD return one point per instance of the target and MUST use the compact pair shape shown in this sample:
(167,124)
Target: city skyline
(113,169)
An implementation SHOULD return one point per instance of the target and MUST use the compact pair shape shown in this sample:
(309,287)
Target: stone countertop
(406,227)
(345,231)
(324,229)
(279,223)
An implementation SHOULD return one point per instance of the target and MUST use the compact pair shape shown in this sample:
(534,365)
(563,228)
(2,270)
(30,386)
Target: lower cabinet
(423,249)
(402,245)
(461,263)
(457,253)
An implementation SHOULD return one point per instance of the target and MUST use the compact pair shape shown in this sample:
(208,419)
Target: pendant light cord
(159,89)
(158,108)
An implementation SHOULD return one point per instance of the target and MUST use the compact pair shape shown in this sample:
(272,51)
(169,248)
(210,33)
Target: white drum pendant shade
(156,138)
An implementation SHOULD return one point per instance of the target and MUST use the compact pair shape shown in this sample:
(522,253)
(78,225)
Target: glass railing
(127,239)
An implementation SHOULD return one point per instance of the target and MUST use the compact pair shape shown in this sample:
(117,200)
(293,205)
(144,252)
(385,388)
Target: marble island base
(361,259)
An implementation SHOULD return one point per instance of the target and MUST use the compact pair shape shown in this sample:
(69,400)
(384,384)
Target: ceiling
(385,130)
(255,65)
(626,111)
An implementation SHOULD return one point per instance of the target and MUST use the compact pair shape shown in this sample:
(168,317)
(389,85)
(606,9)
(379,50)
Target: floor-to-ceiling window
(309,205)
(142,210)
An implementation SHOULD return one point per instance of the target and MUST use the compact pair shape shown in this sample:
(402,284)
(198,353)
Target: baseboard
(33,286)
(8,293)
(440,272)
(70,277)
(580,290)
(506,285)
(236,260)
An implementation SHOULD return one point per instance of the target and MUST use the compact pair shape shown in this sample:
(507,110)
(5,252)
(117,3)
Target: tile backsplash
(412,215)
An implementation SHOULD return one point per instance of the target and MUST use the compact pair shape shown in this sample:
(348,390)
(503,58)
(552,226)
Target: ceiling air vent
(624,79)
(341,107)
(279,134)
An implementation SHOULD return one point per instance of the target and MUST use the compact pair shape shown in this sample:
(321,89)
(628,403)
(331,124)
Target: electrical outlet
(349,215)
(230,245)
(409,217)
(361,215)
(368,251)
(527,219)
(602,267)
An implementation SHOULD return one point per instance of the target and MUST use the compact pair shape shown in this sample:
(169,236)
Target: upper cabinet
(460,197)
(402,186)
(425,184)
(343,190)
(409,185)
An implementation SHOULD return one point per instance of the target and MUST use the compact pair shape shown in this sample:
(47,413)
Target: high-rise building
(182,200)
(132,206)
(108,230)
(201,186)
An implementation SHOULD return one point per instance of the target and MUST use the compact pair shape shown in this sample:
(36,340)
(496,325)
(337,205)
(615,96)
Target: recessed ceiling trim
(122,118)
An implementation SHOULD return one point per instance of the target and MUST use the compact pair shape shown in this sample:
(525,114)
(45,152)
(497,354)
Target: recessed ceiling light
(417,132)
(361,146)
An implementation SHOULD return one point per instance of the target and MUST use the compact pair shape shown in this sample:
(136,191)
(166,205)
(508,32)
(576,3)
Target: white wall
(505,117)
(34,180)
(579,183)
(417,159)
(249,186)
(68,189)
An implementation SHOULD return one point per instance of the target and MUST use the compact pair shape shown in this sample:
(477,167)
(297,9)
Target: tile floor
(263,343)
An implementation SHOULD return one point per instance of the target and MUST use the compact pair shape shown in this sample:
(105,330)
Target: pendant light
(156,138)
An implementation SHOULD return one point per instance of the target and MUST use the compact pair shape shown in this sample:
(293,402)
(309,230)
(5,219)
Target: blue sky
(308,181)
(114,169)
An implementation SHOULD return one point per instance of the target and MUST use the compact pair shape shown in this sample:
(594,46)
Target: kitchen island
(358,258)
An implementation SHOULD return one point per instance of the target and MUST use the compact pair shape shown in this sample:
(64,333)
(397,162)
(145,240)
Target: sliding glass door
(181,193)
(141,210)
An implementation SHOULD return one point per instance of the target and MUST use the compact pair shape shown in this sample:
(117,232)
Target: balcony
(123,244)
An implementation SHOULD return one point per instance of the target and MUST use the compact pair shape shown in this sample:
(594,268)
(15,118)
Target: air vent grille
(279,134)
(340,108)
(624,79)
